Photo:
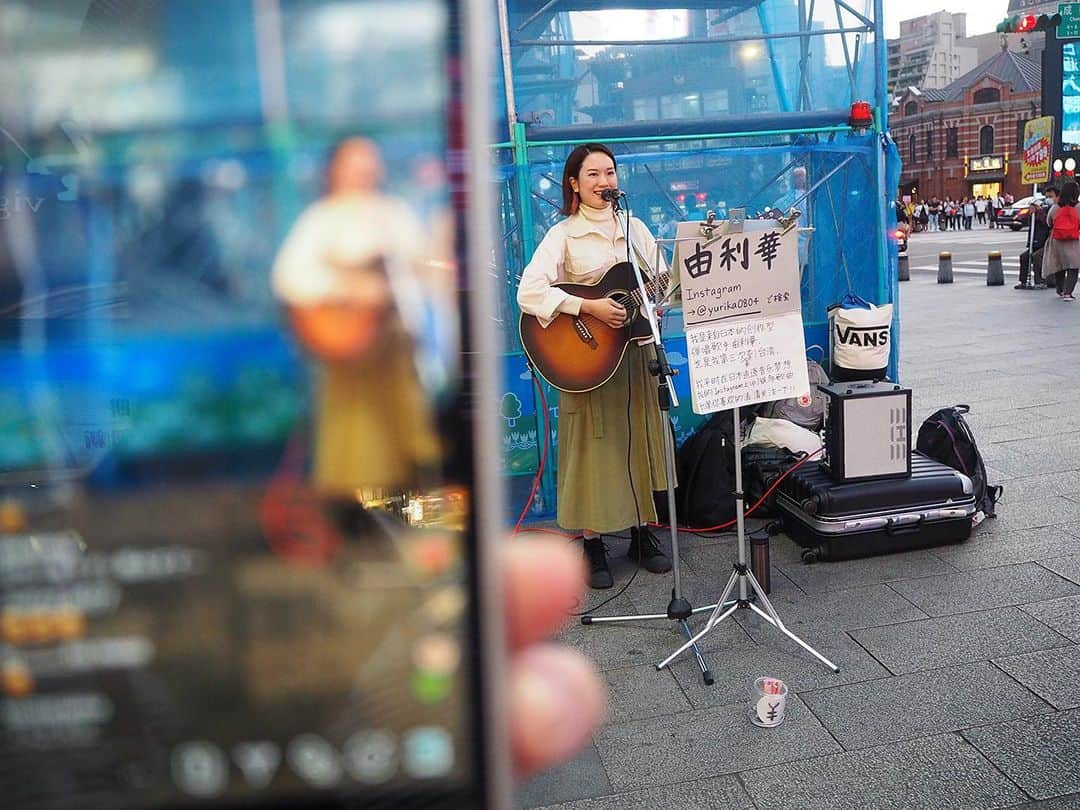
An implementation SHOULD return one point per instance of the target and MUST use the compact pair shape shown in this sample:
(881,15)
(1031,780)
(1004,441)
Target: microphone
(611,194)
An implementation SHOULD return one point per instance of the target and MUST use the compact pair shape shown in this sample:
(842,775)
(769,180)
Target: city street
(969,249)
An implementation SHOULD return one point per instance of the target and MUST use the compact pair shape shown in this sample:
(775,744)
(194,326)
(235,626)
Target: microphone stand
(741,575)
(679,608)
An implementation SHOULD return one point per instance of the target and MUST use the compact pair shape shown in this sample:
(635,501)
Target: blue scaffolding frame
(802,119)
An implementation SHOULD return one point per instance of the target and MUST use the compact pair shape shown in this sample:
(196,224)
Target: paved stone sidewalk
(960,681)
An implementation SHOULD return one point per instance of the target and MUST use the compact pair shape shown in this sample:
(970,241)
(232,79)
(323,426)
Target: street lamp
(750,51)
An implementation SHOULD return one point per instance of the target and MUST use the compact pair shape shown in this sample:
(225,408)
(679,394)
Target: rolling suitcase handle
(905,524)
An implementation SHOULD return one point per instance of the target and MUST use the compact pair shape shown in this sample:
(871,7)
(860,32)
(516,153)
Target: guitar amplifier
(867,431)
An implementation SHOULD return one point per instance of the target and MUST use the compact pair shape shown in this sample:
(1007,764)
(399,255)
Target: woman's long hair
(1070,193)
(572,168)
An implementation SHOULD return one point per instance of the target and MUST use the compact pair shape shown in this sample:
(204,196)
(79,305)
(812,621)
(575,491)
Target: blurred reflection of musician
(597,493)
(350,277)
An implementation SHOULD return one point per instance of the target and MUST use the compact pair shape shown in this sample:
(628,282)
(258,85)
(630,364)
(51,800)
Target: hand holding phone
(556,698)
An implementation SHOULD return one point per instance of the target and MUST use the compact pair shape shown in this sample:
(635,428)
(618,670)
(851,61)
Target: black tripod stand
(679,608)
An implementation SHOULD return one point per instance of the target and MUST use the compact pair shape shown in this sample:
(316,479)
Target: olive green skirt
(599,488)
(374,425)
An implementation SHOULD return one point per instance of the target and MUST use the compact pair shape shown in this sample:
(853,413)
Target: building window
(986,140)
(645,109)
(911,148)
(680,105)
(1020,134)
(911,108)
(929,145)
(952,139)
(988,95)
(715,101)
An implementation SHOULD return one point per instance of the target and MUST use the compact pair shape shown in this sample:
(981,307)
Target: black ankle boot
(596,557)
(645,549)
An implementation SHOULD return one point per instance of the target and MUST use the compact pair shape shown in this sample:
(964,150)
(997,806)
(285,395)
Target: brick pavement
(960,681)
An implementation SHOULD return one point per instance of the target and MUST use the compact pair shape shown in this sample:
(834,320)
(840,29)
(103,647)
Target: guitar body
(578,354)
(339,332)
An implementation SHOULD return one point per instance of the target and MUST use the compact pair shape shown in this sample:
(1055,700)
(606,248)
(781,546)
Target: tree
(511,408)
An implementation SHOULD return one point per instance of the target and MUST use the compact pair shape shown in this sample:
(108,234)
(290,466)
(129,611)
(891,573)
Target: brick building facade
(966,138)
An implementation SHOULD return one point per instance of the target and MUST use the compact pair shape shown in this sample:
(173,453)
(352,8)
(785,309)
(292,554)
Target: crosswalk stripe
(961,270)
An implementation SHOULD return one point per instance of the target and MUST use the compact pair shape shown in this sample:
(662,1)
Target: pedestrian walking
(1061,256)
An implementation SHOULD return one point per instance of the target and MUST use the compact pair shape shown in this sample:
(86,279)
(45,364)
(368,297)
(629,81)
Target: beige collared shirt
(580,249)
(336,234)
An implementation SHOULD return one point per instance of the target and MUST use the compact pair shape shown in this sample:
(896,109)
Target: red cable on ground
(760,500)
(543,459)
(291,515)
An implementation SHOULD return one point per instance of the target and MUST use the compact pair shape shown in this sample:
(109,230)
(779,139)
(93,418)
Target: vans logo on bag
(863,335)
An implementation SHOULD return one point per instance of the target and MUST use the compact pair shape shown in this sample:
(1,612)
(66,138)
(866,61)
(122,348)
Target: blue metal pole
(888,286)
(528,246)
(778,78)
(521,170)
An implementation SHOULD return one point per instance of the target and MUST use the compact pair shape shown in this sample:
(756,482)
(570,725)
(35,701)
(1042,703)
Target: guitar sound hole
(627,303)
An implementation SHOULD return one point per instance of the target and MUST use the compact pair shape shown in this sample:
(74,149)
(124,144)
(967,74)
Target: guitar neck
(650,287)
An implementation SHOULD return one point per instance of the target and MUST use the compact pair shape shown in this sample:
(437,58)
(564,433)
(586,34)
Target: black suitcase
(834,521)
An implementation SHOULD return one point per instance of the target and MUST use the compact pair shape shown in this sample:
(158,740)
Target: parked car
(1018,215)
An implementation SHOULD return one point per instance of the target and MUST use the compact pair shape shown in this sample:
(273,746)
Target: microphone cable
(726,526)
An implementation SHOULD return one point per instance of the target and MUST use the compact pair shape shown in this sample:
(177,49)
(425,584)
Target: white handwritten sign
(747,360)
(743,315)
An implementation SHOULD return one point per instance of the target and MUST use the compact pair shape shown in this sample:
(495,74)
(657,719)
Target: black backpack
(946,437)
(761,467)
(706,471)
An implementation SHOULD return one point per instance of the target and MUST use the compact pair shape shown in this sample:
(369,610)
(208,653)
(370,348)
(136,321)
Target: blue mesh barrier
(708,108)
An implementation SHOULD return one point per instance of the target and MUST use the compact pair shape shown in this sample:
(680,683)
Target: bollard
(903,271)
(944,268)
(995,275)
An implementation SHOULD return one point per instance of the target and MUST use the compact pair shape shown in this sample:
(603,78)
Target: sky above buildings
(982,15)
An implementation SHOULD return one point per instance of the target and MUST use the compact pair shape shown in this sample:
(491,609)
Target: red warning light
(1027,23)
(862,115)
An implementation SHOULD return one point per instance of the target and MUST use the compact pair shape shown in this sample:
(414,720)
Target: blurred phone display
(235,503)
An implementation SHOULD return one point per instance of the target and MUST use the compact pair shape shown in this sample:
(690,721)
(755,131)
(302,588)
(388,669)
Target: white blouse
(342,231)
(579,249)
(337,234)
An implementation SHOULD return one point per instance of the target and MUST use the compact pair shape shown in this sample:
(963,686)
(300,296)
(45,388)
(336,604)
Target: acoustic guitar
(580,353)
(340,332)
(347,328)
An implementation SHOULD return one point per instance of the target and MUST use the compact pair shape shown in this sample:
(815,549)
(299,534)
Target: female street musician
(611,444)
(348,273)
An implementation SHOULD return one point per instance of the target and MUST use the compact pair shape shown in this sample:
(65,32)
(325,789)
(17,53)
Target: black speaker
(867,430)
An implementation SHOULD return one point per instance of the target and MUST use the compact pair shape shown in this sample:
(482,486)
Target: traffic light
(1023,23)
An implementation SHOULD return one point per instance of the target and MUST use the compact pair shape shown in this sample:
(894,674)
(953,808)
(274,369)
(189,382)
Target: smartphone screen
(238,527)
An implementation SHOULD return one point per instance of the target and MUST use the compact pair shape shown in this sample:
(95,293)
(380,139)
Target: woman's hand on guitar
(606,310)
